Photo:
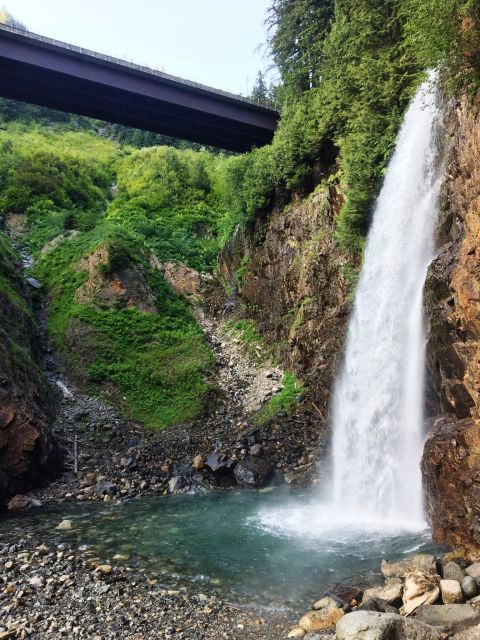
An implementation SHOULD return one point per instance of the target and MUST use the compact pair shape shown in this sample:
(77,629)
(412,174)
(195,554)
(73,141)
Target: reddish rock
(451,471)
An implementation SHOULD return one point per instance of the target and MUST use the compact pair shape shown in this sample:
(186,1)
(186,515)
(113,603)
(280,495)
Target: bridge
(61,76)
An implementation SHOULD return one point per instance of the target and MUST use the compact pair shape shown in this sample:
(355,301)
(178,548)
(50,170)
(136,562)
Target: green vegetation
(349,68)
(284,401)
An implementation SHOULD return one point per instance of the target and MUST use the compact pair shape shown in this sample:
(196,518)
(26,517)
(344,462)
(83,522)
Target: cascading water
(378,403)
(378,398)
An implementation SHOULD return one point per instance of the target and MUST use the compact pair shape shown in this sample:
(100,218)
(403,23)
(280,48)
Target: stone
(326,614)
(378,605)
(296,632)
(256,450)
(453,616)
(120,557)
(452,571)
(474,571)
(368,625)
(252,472)
(23,503)
(198,462)
(451,591)
(420,562)
(65,525)
(419,589)
(105,569)
(469,587)
(391,592)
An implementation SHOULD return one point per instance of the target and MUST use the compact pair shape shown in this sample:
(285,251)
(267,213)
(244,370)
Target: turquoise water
(219,540)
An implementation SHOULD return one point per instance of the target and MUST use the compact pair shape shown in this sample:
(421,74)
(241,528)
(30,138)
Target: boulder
(420,588)
(368,625)
(325,615)
(452,571)
(451,591)
(23,503)
(189,484)
(378,605)
(218,462)
(469,587)
(474,571)
(391,592)
(452,616)
(420,562)
(253,472)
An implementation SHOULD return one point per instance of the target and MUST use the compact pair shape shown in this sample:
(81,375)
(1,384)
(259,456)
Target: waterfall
(378,399)
(377,415)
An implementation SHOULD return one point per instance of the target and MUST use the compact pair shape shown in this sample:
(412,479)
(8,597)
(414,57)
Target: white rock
(369,625)
(390,592)
(451,591)
(296,632)
(65,524)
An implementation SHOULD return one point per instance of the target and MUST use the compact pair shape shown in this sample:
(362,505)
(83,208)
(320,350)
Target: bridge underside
(60,78)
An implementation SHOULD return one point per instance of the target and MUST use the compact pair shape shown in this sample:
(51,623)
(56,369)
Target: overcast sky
(215,42)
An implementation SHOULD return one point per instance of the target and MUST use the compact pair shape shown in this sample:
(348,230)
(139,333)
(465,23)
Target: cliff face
(293,281)
(451,462)
(27,453)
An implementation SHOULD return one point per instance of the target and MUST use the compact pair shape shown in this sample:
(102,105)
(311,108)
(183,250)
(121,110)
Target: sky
(219,43)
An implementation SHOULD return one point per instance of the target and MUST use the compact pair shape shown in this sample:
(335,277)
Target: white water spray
(378,399)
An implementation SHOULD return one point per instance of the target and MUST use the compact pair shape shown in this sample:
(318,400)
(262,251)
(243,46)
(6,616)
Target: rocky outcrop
(450,463)
(27,452)
(287,274)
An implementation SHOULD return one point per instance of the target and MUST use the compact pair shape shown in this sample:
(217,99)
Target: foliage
(152,363)
(283,401)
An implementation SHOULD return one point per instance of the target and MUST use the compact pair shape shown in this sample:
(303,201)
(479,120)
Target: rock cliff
(286,273)
(451,462)
(27,452)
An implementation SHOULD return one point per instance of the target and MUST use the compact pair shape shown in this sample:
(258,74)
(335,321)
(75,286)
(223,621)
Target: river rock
(368,625)
(105,569)
(65,525)
(469,587)
(420,589)
(451,591)
(453,616)
(297,632)
(452,571)
(23,503)
(391,592)
(252,472)
(420,562)
(326,614)
(474,571)
(198,462)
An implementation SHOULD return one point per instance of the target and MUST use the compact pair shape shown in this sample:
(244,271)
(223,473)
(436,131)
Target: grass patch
(284,401)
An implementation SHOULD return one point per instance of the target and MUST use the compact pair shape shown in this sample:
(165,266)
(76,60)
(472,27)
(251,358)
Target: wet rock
(451,591)
(368,625)
(23,503)
(65,525)
(420,562)
(324,616)
(252,472)
(452,571)
(453,616)
(104,569)
(218,462)
(192,485)
(35,284)
(469,587)
(420,589)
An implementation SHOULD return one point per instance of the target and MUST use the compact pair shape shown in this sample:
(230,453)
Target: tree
(297,31)
(7,18)
(260,89)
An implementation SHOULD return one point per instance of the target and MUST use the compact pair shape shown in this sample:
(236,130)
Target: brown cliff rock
(451,471)
(292,280)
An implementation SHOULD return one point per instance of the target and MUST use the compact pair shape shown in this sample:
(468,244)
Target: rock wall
(451,462)
(291,279)
(28,456)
